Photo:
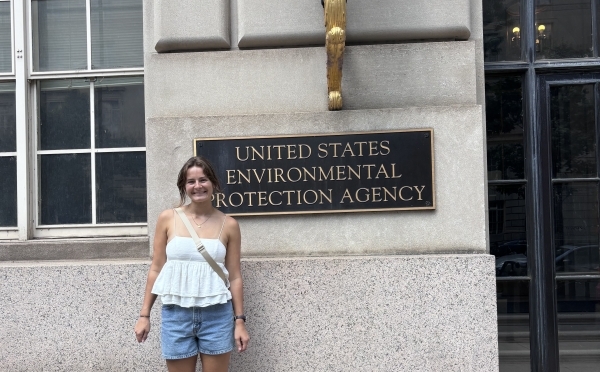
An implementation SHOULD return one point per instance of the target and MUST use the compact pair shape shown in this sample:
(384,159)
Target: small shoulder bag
(200,247)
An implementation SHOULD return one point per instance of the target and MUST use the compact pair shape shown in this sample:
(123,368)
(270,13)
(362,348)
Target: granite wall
(376,313)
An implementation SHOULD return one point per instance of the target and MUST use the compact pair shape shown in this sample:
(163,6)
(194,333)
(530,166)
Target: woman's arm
(159,257)
(232,263)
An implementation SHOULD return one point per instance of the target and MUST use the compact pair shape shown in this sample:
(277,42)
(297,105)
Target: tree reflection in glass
(504,128)
(563,29)
(501,30)
(572,117)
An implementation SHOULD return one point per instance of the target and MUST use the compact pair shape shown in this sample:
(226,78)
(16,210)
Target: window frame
(77,230)
(26,94)
(543,330)
(9,232)
(88,72)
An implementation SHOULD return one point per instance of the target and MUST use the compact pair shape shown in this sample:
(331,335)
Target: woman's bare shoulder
(231,223)
(166,216)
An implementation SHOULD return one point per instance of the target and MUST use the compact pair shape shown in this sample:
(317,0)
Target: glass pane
(5,38)
(64,114)
(501,30)
(576,227)
(117,33)
(513,325)
(59,35)
(563,29)
(121,187)
(119,111)
(572,116)
(504,123)
(507,229)
(578,304)
(65,189)
(8,196)
(8,121)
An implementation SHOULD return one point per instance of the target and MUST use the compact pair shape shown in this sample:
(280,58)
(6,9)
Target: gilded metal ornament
(335,42)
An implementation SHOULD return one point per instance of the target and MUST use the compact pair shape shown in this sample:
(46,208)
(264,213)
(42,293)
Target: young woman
(202,312)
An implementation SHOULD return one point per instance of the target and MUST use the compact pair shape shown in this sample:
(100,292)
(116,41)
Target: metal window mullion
(120,149)
(69,74)
(597,118)
(507,182)
(35,159)
(595,37)
(512,278)
(566,180)
(88,26)
(30,32)
(87,225)
(542,307)
(13,37)
(63,152)
(528,31)
(93,148)
(543,326)
(20,68)
(7,154)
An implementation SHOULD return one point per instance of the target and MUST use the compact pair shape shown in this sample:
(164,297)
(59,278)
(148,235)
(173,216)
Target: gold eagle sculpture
(335,42)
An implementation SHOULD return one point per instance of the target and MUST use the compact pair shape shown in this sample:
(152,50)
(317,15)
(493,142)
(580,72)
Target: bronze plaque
(324,173)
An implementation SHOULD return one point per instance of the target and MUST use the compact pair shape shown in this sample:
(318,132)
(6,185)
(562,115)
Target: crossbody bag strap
(200,247)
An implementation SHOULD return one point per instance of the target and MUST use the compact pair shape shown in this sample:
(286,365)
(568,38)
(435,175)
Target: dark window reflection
(563,29)
(576,223)
(504,123)
(572,115)
(513,324)
(507,229)
(119,111)
(65,189)
(8,121)
(8,194)
(121,187)
(64,115)
(501,30)
(578,303)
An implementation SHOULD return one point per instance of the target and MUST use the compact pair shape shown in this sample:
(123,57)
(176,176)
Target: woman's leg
(215,363)
(182,365)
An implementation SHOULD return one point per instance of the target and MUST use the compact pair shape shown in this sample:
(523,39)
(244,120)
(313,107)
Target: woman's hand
(241,336)
(142,329)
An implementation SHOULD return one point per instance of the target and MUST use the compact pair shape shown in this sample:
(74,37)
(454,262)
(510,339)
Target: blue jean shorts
(185,332)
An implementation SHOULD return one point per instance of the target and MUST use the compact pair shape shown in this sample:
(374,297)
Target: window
(8,156)
(72,136)
(91,158)
(5,37)
(64,39)
(543,124)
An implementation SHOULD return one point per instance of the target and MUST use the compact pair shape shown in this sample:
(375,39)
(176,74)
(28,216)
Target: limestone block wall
(454,227)
(424,58)
(189,25)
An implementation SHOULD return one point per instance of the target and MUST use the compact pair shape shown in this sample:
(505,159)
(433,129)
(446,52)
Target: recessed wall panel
(188,25)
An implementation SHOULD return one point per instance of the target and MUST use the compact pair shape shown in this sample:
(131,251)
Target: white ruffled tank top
(186,279)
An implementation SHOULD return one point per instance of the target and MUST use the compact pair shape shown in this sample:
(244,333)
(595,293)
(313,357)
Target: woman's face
(197,186)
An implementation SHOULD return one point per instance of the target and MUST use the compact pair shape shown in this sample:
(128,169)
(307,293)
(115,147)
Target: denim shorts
(187,331)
